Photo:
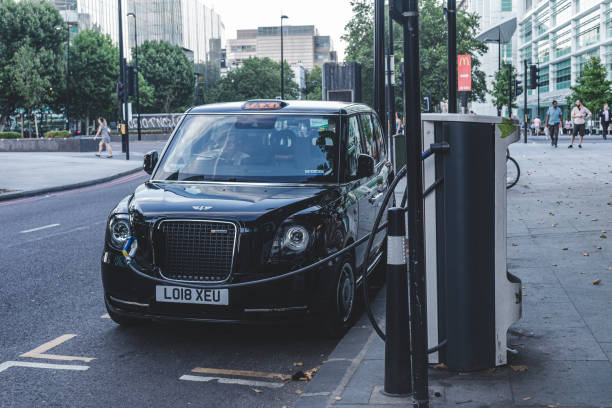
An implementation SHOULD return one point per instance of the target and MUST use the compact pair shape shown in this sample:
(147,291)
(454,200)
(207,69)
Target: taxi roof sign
(264,105)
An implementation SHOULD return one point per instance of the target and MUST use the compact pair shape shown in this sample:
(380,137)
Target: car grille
(195,250)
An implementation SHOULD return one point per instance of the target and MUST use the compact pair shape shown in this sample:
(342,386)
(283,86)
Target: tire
(124,321)
(513,172)
(342,299)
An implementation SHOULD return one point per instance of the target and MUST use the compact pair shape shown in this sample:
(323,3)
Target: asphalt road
(52,310)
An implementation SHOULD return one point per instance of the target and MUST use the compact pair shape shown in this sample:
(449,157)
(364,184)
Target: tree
(94,70)
(166,68)
(500,86)
(592,86)
(27,29)
(359,35)
(313,90)
(257,78)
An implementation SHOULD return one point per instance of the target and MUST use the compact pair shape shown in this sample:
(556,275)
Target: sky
(328,16)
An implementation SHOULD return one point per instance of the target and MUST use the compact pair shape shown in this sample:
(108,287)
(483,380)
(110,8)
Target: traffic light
(120,90)
(518,89)
(534,76)
(132,80)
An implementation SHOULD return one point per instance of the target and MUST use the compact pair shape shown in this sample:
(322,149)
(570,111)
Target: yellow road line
(242,373)
(39,351)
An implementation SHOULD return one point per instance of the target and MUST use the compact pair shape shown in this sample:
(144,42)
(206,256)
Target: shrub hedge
(57,134)
(10,135)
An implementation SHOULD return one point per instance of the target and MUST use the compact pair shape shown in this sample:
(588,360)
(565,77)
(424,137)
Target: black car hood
(234,201)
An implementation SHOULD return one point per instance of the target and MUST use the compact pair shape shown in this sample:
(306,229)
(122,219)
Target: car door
(375,187)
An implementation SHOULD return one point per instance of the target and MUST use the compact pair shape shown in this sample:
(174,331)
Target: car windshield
(252,147)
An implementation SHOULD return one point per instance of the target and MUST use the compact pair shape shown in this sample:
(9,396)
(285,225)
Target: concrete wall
(73,144)
(144,137)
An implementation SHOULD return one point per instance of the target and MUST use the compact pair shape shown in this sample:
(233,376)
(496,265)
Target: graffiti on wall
(156,121)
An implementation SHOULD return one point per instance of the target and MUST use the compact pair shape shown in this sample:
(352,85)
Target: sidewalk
(559,218)
(26,174)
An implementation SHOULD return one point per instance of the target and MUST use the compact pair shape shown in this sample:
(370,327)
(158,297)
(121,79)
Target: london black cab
(245,191)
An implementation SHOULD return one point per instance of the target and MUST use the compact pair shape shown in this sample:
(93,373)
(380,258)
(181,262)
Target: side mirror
(150,160)
(365,166)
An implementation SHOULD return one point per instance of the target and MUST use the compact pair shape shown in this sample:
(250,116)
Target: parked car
(245,191)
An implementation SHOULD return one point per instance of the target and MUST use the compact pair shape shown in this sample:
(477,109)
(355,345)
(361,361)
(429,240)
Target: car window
(259,148)
(380,138)
(368,140)
(353,148)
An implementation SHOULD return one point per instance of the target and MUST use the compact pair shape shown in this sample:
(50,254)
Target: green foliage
(500,89)
(146,93)
(166,68)
(57,134)
(94,70)
(433,38)
(10,135)
(255,79)
(313,90)
(592,86)
(33,56)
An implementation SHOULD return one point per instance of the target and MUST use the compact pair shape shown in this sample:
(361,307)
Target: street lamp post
(282,59)
(136,79)
(67,28)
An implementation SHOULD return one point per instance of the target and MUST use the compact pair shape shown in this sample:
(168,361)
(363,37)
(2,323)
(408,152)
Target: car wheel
(342,299)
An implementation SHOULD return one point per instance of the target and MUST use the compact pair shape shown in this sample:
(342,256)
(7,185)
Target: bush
(10,135)
(57,134)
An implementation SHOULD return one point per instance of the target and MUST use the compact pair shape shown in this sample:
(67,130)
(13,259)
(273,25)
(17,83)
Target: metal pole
(391,91)
(136,79)
(525,100)
(282,62)
(538,84)
(379,58)
(498,61)
(452,56)
(397,343)
(416,255)
(68,81)
(125,132)
(509,90)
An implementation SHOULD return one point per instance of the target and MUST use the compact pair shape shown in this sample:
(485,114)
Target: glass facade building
(561,36)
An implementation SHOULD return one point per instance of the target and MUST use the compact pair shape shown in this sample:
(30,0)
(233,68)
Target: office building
(301,44)
(560,37)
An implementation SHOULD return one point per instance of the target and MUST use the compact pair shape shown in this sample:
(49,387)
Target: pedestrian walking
(536,125)
(104,134)
(554,118)
(604,120)
(579,115)
(399,123)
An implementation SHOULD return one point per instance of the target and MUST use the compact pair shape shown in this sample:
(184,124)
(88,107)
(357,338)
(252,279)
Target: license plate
(178,294)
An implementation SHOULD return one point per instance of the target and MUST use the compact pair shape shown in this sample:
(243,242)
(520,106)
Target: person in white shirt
(579,115)
(604,120)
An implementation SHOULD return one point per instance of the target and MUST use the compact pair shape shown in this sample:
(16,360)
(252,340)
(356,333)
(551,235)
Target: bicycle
(513,171)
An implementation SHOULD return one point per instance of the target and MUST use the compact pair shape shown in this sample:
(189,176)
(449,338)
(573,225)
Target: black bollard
(397,345)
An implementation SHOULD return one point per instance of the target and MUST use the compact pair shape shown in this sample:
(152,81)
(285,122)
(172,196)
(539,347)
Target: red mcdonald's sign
(464,72)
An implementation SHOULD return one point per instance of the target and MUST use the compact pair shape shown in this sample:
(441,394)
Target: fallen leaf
(440,366)
(555,264)
(598,247)
(514,244)
(338,398)
(526,398)
(609,268)
(596,281)
(586,254)
(298,392)
(551,213)
(604,236)
(565,249)
(256,390)
(298,364)
(552,406)
(519,368)
(595,219)
(554,224)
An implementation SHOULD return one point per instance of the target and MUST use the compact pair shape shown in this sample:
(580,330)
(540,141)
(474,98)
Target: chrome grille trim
(236,238)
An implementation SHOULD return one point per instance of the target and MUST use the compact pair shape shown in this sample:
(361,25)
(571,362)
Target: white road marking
(222,380)
(39,351)
(39,228)
(9,364)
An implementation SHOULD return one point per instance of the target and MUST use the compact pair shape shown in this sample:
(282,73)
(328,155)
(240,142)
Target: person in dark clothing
(604,120)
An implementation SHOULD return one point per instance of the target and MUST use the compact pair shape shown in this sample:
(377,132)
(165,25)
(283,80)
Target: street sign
(464,72)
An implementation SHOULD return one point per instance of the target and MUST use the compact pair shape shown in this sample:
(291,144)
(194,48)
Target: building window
(543,50)
(588,29)
(244,48)
(583,5)
(563,73)
(526,30)
(506,5)
(562,11)
(609,60)
(562,40)
(528,5)
(543,20)
(544,79)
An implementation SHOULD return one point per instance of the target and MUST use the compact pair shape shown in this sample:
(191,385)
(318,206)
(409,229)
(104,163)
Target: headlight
(296,238)
(119,229)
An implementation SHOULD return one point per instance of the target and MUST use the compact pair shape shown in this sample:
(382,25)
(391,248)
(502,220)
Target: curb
(343,361)
(41,191)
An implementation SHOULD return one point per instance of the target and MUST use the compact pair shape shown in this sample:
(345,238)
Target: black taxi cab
(244,191)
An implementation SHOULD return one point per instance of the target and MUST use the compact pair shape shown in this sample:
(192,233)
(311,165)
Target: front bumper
(131,295)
